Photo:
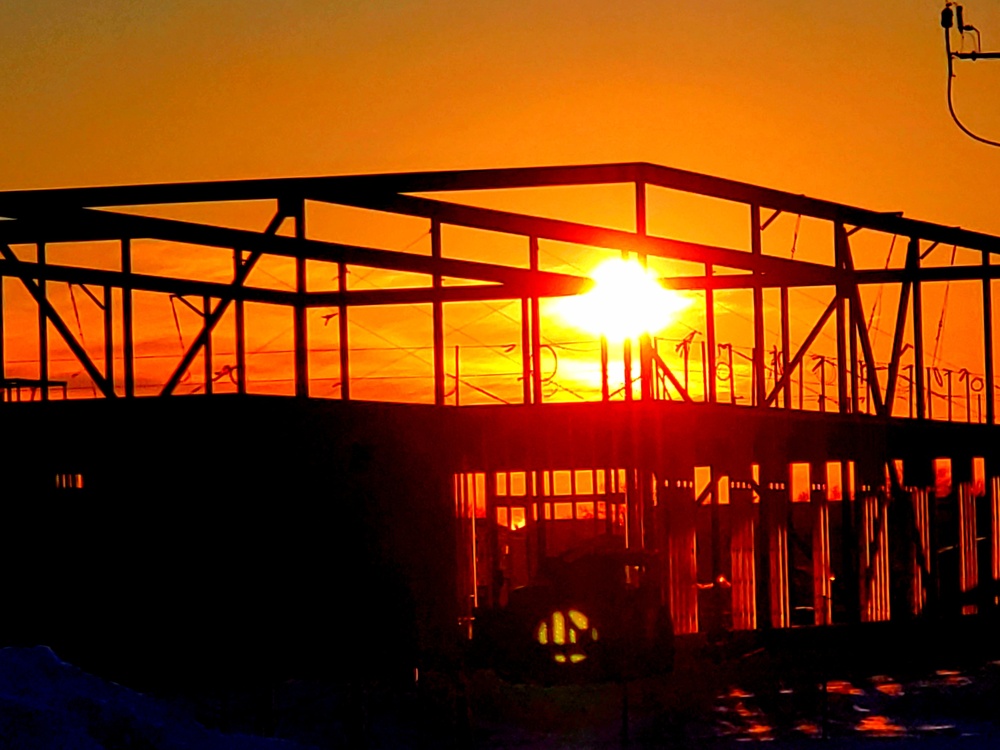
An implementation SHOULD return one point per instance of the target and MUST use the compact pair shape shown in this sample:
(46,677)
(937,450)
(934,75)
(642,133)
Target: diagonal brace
(671,377)
(861,330)
(213,318)
(787,374)
(57,322)
(897,339)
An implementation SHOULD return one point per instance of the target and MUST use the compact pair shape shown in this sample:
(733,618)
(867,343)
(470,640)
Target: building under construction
(797,472)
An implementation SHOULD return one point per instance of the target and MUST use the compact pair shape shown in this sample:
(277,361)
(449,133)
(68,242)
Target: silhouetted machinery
(592,613)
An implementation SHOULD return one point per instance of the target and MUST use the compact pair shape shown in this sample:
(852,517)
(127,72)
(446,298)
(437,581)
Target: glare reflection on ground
(877,706)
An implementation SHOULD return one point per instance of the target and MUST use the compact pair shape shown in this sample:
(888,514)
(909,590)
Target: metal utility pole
(949,18)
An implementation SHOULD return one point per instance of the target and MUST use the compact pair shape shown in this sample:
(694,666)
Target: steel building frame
(42,217)
(45,217)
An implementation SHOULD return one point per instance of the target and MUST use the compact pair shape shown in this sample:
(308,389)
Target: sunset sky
(843,101)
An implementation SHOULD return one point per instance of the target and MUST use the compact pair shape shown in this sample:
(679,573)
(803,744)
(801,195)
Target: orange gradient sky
(843,101)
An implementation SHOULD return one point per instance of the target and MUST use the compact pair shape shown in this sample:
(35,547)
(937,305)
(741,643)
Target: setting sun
(626,301)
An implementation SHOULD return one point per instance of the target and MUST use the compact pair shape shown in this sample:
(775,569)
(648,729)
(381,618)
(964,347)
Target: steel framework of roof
(43,217)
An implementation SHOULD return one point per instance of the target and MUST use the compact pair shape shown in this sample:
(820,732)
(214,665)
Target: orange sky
(841,101)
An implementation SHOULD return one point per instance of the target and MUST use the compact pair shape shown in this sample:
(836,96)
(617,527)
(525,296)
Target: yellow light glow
(558,628)
(626,301)
(568,633)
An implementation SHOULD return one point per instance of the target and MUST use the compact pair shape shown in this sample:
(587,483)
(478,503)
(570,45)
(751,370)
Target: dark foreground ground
(916,694)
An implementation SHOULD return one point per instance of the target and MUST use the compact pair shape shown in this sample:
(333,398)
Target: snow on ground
(46,704)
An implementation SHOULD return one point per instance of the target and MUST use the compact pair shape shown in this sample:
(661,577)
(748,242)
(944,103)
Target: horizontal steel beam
(742,192)
(584,234)
(87,224)
(13,203)
(144,282)
(863,277)
(216,290)
(295,188)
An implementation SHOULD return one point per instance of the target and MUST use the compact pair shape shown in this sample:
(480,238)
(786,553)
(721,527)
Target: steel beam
(437,313)
(240,277)
(526,353)
(988,344)
(206,310)
(536,328)
(128,332)
(241,329)
(3,344)
(300,334)
(859,331)
(57,322)
(151,283)
(801,352)
(17,203)
(109,335)
(899,330)
(918,333)
(786,346)
(840,239)
(584,234)
(93,225)
(759,343)
(43,326)
(343,337)
(710,345)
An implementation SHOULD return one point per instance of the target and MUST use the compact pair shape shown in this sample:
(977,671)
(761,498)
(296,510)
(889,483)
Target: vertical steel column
(710,336)
(206,306)
(759,344)
(645,359)
(301,327)
(3,346)
(849,542)
(128,341)
(786,345)
(852,326)
(918,326)
(994,495)
(716,542)
(437,309)
(43,329)
(682,523)
(773,476)
(840,238)
(525,351)
(343,339)
(821,564)
(742,552)
(987,341)
(109,338)
(645,367)
(640,208)
(605,385)
(241,330)
(627,363)
(536,328)
(762,545)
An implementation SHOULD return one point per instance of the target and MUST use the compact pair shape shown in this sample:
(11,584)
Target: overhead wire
(878,299)
(79,328)
(944,311)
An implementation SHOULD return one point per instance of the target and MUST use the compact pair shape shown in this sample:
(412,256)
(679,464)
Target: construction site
(250,417)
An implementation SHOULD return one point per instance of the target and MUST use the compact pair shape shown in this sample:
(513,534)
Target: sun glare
(625,302)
